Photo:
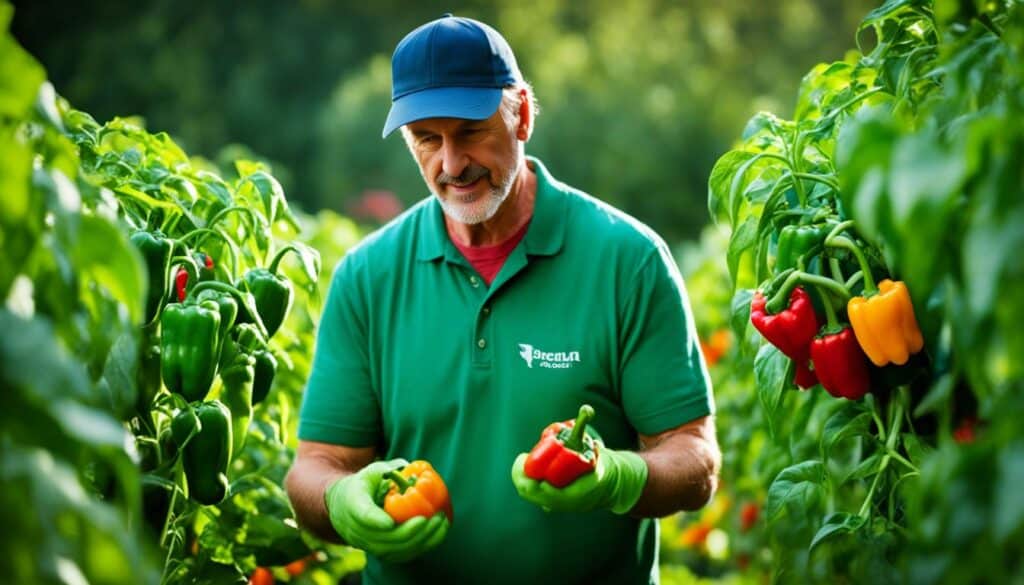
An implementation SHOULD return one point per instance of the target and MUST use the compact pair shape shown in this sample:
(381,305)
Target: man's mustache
(468,175)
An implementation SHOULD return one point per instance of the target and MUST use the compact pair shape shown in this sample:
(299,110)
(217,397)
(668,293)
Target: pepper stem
(237,208)
(575,440)
(830,311)
(400,480)
(777,302)
(277,258)
(835,240)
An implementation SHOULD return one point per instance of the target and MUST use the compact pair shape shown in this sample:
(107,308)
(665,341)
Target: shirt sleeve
(339,405)
(664,379)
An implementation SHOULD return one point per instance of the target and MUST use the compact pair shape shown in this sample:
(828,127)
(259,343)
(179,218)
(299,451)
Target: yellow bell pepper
(884,324)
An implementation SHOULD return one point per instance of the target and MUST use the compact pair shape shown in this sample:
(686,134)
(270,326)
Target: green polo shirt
(417,356)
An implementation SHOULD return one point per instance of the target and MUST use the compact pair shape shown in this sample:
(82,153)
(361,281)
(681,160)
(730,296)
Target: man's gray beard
(485,210)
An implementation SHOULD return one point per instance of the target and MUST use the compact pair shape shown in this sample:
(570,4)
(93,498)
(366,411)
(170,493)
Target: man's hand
(363,524)
(615,484)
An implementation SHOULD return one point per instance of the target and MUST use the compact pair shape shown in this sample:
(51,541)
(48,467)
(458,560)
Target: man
(456,333)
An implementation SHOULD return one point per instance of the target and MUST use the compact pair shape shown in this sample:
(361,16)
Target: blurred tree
(638,98)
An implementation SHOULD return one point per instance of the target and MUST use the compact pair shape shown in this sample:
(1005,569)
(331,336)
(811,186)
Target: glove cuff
(630,479)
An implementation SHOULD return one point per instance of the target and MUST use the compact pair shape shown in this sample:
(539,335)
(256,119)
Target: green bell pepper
(156,252)
(250,341)
(188,347)
(273,292)
(227,306)
(206,456)
(236,394)
(795,241)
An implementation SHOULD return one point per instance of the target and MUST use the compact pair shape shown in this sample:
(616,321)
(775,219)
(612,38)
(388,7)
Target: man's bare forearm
(682,471)
(307,481)
(316,467)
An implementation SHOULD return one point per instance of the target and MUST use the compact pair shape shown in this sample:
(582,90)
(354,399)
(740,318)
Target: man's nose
(453,159)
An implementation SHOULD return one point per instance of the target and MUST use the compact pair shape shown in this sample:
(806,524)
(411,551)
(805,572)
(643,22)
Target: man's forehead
(441,124)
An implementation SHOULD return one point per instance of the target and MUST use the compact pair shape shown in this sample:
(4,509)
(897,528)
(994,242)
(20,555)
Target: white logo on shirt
(547,359)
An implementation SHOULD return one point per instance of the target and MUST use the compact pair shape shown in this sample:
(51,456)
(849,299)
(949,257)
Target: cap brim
(469,103)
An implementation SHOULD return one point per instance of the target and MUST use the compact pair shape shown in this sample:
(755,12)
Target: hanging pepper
(795,241)
(883,319)
(236,394)
(181,283)
(791,330)
(839,363)
(885,325)
(273,293)
(206,268)
(188,347)
(416,490)
(205,457)
(564,452)
(227,306)
(156,252)
(247,339)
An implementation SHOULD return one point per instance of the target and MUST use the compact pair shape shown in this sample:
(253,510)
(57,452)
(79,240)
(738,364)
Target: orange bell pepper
(885,325)
(416,490)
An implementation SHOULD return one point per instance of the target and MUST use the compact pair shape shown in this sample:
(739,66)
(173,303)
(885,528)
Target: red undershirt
(488,260)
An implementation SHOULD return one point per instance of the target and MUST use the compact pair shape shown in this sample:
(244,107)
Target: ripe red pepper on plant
(564,451)
(791,330)
(839,363)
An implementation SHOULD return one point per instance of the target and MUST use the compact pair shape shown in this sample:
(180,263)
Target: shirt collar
(544,237)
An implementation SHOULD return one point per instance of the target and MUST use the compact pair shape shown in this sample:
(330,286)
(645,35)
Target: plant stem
(837,241)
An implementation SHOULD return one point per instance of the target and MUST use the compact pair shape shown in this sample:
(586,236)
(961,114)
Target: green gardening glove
(363,524)
(616,484)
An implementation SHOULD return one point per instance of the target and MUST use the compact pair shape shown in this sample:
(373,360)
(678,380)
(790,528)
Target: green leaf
(721,179)
(739,310)
(106,258)
(865,468)
(851,420)
(771,373)
(1009,506)
(310,259)
(836,524)
(271,193)
(20,74)
(15,173)
(797,487)
(118,380)
(742,240)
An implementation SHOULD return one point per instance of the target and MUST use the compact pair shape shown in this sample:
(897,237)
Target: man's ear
(525,127)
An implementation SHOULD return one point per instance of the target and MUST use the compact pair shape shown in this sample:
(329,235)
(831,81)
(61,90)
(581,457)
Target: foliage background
(637,98)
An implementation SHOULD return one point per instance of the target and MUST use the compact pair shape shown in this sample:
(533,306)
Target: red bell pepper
(564,451)
(840,364)
(791,330)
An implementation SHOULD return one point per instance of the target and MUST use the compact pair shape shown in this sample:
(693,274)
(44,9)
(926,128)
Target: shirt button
(474,281)
(487,310)
(482,343)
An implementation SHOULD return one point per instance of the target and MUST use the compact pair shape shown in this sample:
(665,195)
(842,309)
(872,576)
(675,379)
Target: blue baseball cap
(452,67)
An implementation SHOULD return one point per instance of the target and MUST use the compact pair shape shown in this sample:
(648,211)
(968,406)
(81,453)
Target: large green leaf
(106,258)
(797,487)
(836,524)
(851,420)
(772,370)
